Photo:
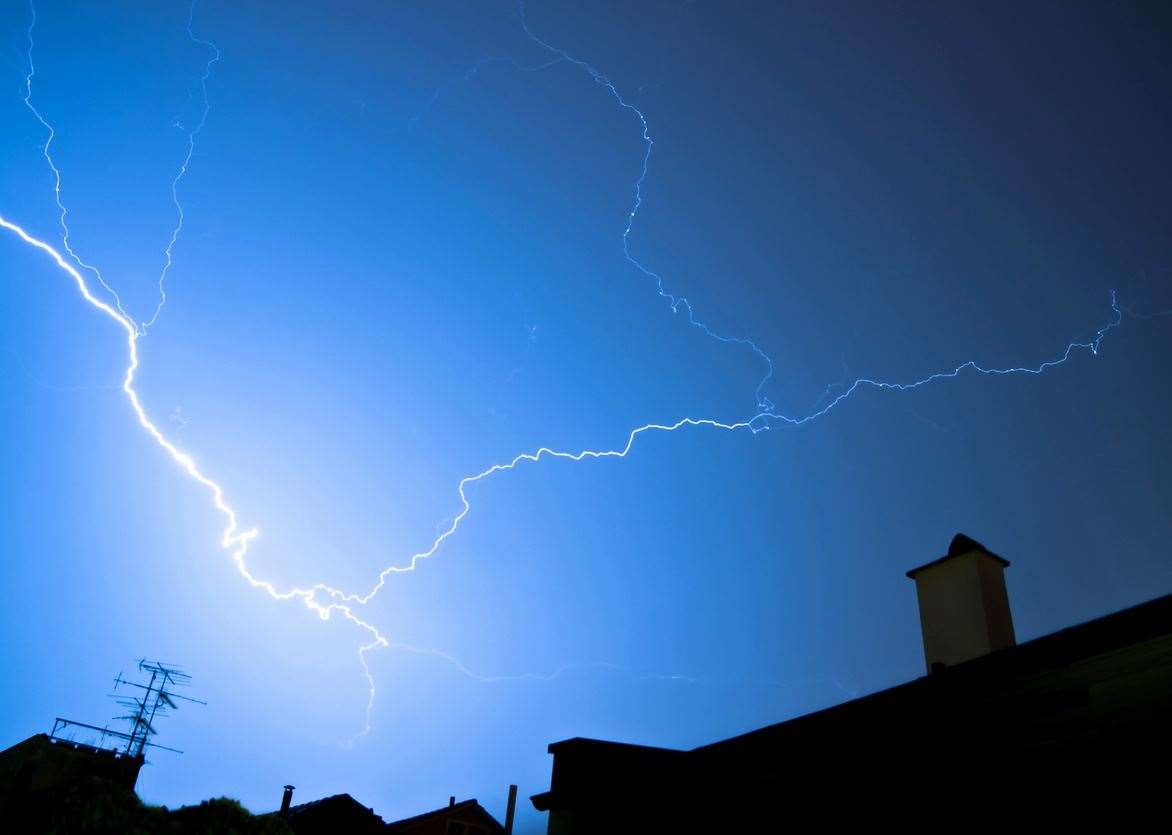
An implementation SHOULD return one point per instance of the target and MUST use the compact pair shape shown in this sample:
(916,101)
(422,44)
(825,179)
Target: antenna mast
(157,697)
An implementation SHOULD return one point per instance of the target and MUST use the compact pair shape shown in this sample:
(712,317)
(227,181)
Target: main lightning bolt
(325,600)
(234,539)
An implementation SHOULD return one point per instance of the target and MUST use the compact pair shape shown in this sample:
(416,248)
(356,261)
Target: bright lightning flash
(236,541)
(325,600)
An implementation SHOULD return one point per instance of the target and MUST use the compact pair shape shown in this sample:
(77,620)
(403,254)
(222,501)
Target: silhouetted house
(465,818)
(993,724)
(334,815)
(341,814)
(43,767)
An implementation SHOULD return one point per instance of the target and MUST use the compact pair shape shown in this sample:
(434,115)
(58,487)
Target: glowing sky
(408,256)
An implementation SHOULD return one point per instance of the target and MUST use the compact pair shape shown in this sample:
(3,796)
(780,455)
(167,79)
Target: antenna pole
(158,696)
(139,722)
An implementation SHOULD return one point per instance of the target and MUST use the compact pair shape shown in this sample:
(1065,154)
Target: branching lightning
(46,152)
(325,600)
(182,172)
(63,211)
(674,301)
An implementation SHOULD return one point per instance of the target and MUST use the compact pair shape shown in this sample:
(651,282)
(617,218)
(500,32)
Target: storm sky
(402,262)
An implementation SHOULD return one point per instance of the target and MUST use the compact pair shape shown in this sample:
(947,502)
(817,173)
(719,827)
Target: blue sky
(402,262)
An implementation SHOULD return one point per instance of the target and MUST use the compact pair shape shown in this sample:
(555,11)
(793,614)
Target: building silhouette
(341,814)
(992,728)
(1074,722)
(465,818)
(41,768)
(54,785)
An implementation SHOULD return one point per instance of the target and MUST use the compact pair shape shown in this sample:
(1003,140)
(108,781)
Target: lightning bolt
(675,302)
(236,541)
(62,209)
(325,600)
(46,152)
(182,172)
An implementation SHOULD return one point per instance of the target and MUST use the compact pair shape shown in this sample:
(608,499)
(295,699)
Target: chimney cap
(960,545)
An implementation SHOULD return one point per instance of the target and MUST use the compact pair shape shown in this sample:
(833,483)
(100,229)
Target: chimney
(286,799)
(451,801)
(511,810)
(964,608)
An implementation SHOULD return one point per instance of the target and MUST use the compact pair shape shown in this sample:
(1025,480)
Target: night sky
(402,262)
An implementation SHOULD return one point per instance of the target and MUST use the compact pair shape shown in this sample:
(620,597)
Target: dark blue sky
(402,262)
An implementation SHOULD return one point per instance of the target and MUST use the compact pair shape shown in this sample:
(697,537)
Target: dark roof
(1115,631)
(331,800)
(620,760)
(43,741)
(464,806)
(338,812)
(1045,674)
(959,546)
(625,748)
(63,760)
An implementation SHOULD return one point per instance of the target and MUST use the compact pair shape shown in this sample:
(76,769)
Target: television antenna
(145,705)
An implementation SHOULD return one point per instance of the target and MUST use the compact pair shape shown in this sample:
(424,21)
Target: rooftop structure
(993,721)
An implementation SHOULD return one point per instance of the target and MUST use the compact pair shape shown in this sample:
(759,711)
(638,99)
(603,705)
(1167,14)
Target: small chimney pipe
(286,801)
(511,810)
(451,800)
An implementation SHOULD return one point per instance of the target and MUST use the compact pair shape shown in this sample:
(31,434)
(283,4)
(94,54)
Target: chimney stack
(511,810)
(964,608)
(286,800)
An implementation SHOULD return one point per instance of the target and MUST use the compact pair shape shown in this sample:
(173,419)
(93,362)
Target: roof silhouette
(468,811)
